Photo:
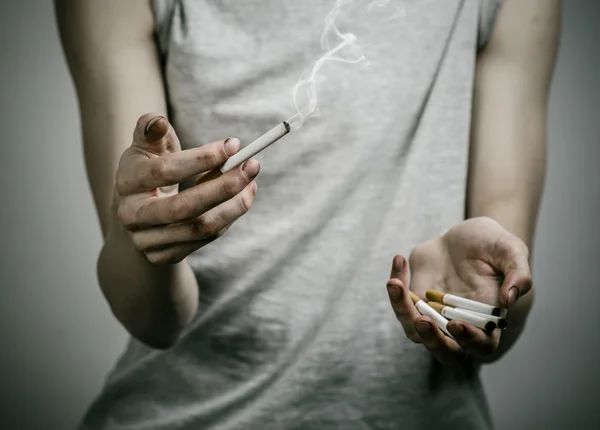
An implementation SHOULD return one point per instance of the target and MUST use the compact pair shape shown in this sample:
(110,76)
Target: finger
(180,166)
(213,223)
(446,350)
(174,168)
(153,134)
(176,253)
(191,203)
(512,258)
(474,339)
(403,308)
(400,269)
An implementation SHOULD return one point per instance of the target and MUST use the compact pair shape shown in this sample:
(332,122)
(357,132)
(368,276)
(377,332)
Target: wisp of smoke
(348,50)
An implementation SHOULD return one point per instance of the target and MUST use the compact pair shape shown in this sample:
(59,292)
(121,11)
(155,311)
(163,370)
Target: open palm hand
(476,259)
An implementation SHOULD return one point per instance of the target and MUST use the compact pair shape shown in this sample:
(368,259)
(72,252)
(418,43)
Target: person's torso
(294,328)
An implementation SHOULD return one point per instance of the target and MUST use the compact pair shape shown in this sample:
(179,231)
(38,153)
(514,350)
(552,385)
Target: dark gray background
(58,338)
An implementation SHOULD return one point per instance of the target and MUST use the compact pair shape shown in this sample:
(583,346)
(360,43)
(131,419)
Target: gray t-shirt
(294,329)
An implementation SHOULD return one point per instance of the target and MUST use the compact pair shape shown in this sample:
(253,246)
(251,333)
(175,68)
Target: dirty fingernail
(151,124)
(423,327)
(394,290)
(513,295)
(456,330)
(232,145)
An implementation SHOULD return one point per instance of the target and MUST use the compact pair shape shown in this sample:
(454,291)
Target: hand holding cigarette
(163,223)
(247,152)
(470,276)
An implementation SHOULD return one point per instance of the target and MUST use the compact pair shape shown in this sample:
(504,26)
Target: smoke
(346,49)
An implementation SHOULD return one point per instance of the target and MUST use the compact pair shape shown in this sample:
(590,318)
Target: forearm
(117,77)
(154,303)
(518,217)
(507,164)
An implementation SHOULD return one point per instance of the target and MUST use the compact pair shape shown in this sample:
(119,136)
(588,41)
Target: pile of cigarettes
(442,307)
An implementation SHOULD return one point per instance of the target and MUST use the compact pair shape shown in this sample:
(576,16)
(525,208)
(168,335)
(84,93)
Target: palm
(466,261)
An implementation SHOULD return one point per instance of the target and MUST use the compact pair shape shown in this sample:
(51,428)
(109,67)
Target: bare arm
(113,60)
(508,148)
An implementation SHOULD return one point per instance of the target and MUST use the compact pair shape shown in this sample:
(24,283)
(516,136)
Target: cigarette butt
(208,176)
(414,297)
(453,313)
(500,321)
(461,302)
(437,306)
(436,296)
(425,309)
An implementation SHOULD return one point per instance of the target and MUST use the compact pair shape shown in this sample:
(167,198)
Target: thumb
(400,269)
(153,133)
(517,282)
(512,258)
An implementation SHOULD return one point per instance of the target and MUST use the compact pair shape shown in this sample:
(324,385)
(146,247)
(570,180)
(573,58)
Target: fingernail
(231,145)
(253,187)
(394,290)
(513,295)
(399,264)
(251,168)
(456,330)
(151,124)
(423,327)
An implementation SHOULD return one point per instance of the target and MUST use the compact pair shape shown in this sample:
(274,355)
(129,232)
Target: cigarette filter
(462,315)
(247,152)
(500,321)
(427,310)
(461,302)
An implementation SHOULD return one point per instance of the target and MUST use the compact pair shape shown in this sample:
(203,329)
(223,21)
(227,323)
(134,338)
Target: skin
(148,226)
(486,257)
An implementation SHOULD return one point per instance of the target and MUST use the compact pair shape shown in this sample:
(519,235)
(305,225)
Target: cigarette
(248,151)
(461,302)
(427,310)
(462,315)
(500,321)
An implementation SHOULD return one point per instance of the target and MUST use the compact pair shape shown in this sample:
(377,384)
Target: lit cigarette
(462,315)
(248,151)
(500,321)
(427,310)
(461,302)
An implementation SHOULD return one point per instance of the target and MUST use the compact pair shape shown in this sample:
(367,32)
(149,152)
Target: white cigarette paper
(255,147)
(463,315)
(427,310)
(461,302)
(500,321)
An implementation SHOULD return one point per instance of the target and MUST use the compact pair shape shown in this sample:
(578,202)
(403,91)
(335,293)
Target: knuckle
(204,227)
(180,208)
(162,169)
(209,157)
(126,217)
(245,203)
(232,186)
